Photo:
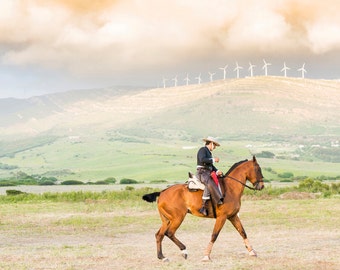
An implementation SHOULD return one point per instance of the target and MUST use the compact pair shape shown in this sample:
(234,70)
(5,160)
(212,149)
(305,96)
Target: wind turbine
(224,71)
(265,67)
(211,76)
(251,68)
(187,79)
(164,81)
(303,71)
(285,68)
(175,80)
(199,79)
(237,69)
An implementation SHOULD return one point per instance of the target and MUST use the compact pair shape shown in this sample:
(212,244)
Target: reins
(241,182)
(244,184)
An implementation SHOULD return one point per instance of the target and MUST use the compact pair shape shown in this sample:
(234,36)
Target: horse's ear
(190,175)
(254,158)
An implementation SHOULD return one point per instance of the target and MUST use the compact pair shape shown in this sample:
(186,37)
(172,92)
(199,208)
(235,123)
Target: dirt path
(93,236)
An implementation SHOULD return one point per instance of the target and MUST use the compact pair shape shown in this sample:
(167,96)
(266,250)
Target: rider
(206,171)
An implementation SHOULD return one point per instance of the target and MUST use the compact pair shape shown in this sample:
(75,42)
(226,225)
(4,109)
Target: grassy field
(118,233)
(152,160)
(154,134)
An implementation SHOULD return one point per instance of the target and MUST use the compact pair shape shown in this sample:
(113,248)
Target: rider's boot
(215,193)
(204,208)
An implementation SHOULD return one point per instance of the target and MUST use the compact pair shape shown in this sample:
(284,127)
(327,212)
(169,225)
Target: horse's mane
(235,165)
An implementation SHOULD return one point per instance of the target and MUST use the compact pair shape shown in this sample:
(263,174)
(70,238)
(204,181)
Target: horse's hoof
(206,258)
(165,260)
(185,254)
(252,253)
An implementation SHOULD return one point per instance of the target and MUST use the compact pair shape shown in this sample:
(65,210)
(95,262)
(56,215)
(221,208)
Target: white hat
(211,139)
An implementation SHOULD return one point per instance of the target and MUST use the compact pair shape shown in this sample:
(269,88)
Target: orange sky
(55,45)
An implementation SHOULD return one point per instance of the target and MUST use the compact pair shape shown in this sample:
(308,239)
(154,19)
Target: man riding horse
(208,174)
(176,201)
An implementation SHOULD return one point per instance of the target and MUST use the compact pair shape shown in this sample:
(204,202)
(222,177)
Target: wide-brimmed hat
(211,139)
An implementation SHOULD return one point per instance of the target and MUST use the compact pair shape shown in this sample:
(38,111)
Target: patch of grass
(133,196)
(293,214)
(128,195)
(131,160)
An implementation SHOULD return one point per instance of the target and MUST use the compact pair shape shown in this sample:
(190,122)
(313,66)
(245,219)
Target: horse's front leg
(235,220)
(217,228)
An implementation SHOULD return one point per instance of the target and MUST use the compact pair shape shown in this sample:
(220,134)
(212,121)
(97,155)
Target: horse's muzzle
(259,185)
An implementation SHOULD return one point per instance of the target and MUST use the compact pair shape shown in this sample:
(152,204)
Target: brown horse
(176,201)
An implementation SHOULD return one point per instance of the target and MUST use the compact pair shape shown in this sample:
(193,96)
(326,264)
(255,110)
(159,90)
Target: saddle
(193,183)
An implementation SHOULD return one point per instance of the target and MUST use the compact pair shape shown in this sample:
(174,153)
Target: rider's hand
(216,159)
(219,173)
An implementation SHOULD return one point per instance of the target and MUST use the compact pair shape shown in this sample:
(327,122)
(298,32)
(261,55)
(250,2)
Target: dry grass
(287,234)
(284,97)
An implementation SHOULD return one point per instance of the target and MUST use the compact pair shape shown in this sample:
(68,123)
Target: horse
(177,200)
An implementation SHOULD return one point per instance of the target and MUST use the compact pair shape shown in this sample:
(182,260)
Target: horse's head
(256,177)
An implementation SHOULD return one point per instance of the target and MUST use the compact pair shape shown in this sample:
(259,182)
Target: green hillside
(291,124)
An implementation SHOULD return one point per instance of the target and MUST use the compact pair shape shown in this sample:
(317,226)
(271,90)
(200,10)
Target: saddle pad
(194,183)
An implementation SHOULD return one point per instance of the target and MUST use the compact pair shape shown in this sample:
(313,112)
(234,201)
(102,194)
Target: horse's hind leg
(160,236)
(173,226)
(235,220)
(169,228)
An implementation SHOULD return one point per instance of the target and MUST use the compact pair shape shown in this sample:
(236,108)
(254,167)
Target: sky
(49,46)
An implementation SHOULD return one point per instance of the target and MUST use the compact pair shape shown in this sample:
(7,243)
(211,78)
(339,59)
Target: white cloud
(324,35)
(108,37)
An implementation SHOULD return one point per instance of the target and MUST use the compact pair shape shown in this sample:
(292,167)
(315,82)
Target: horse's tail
(151,197)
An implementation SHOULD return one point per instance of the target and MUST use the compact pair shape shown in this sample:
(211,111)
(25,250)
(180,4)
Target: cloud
(94,38)
(324,36)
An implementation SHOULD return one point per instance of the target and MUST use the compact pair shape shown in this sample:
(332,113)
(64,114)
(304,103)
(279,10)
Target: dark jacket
(205,159)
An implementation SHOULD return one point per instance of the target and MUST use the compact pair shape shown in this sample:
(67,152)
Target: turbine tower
(265,67)
(251,69)
(303,71)
(211,76)
(224,71)
(186,79)
(237,69)
(175,80)
(164,81)
(285,68)
(199,79)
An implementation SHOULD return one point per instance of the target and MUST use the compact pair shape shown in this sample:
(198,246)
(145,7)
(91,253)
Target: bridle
(255,184)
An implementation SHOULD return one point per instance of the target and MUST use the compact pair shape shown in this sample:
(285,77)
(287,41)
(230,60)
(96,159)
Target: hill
(292,117)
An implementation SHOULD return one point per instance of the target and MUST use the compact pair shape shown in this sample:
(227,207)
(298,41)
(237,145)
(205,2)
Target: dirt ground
(287,234)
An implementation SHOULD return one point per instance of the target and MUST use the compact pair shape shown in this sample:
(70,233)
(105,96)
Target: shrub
(311,185)
(335,188)
(269,169)
(266,154)
(47,180)
(7,183)
(110,180)
(100,182)
(286,175)
(47,183)
(72,182)
(158,181)
(286,181)
(128,181)
(13,192)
